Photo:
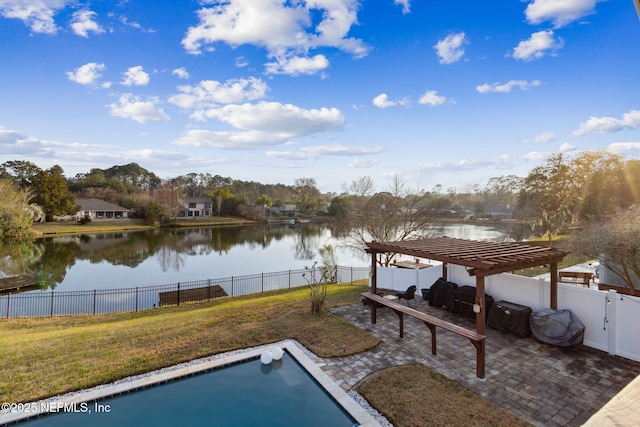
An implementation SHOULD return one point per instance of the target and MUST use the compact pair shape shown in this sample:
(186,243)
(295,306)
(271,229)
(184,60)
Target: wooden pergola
(480,259)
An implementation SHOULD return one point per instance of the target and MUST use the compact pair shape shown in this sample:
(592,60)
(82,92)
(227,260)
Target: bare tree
(393,215)
(168,198)
(359,191)
(307,192)
(319,277)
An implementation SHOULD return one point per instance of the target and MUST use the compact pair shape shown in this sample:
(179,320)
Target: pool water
(249,393)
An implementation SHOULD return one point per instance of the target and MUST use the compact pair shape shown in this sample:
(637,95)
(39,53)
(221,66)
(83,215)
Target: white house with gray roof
(99,209)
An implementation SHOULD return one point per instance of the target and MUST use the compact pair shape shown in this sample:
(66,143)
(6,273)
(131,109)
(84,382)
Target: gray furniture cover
(557,327)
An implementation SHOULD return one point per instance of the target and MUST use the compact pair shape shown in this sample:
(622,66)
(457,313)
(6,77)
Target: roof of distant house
(99,205)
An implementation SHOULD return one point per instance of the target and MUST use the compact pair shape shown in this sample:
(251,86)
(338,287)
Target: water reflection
(475,231)
(148,255)
(130,259)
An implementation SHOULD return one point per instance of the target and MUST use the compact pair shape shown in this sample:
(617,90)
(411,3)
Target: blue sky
(436,92)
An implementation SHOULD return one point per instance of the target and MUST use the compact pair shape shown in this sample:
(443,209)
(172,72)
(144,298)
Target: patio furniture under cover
(557,327)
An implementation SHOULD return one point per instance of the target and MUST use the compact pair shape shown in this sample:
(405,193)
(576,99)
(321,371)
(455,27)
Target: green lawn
(42,357)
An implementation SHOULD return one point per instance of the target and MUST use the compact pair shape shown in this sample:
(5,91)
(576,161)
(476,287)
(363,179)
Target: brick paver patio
(543,384)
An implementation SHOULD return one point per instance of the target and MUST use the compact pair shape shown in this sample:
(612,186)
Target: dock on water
(17,284)
(193,294)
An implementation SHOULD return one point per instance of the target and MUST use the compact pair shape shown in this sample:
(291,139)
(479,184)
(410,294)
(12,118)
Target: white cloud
(542,138)
(506,87)
(297,65)
(497,162)
(229,140)
(181,73)
(629,120)
(36,14)
(241,62)
(450,49)
(134,108)
(536,156)
(362,163)
(432,98)
(566,147)
(87,74)
(82,23)
(285,29)
(537,46)
(291,155)
(560,12)
(135,76)
(210,93)
(309,153)
(82,156)
(15,143)
(623,148)
(500,162)
(382,101)
(261,125)
(135,25)
(274,118)
(406,5)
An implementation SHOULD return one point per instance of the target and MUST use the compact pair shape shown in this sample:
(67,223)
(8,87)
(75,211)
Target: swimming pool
(241,391)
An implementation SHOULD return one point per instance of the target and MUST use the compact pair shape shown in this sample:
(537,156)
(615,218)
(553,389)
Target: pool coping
(359,413)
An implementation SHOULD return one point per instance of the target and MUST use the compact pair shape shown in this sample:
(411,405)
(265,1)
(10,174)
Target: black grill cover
(510,317)
(557,327)
(464,299)
(441,293)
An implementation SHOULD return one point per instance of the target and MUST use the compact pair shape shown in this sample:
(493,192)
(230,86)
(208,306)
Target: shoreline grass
(132,224)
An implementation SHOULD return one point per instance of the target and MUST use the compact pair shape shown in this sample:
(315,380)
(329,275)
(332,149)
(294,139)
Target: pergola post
(554,285)
(374,285)
(444,271)
(481,316)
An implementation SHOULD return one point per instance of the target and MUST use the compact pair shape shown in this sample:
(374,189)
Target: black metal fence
(69,303)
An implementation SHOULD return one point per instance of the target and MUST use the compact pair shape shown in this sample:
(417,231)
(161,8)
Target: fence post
(178,293)
(262,283)
(231,285)
(209,290)
(136,298)
(611,320)
(8,304)
(51,311)
(94,301)
(289,279)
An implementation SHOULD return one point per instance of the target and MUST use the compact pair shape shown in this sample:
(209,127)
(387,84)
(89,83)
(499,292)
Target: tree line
(564,191)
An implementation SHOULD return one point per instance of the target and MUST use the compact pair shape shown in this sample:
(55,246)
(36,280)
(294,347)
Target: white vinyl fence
(610,318)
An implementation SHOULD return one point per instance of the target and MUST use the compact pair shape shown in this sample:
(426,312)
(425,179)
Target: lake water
(156,257)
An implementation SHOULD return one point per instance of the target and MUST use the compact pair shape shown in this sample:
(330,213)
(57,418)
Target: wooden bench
(581,277)
(478,340)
